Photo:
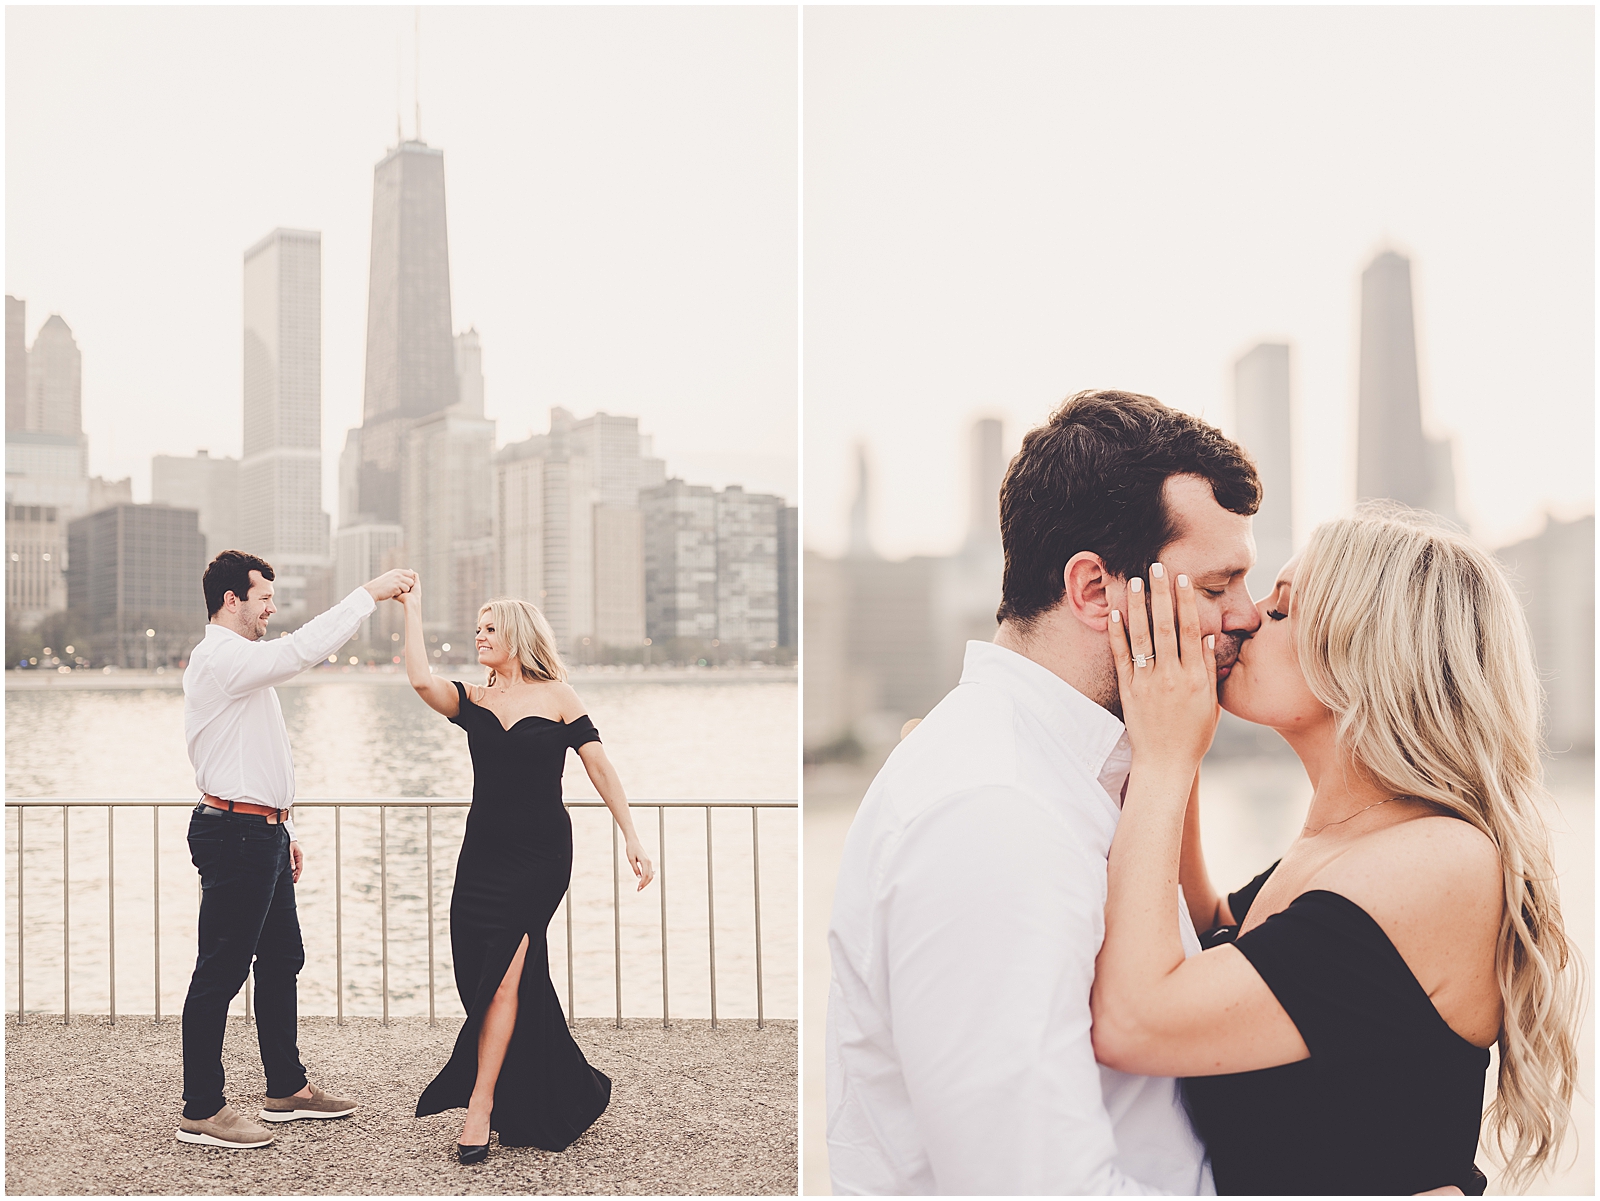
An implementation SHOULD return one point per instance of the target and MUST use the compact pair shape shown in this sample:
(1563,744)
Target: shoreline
(133,679)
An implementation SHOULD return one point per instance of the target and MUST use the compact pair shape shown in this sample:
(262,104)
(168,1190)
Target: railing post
(661,881)
(711,920)
(66,927)
(616,920)
(429,810)
(111,909)
(155,895)
(338,916)
(383,899)
(20,1007)
(755,863)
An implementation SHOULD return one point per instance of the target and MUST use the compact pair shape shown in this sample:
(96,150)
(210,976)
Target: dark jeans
(246,911)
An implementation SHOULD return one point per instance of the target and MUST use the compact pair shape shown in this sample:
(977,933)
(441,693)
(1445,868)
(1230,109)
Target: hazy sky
(1004,206)
(622,195)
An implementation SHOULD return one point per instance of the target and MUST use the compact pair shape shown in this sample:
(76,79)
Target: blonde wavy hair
(1413,637)
(528,638)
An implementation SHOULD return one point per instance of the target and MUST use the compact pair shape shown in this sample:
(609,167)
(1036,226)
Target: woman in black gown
(1335,1034)
(515,1068)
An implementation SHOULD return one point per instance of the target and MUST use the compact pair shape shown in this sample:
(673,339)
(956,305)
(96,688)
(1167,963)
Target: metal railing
(383,806)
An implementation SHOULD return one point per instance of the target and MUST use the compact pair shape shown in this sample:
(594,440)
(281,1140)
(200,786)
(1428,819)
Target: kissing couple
(1036,989)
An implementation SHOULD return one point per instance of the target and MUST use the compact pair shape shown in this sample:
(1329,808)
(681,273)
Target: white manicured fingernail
(1183,581)
(1157,571)
(1116,618)
(1211,642)
(1136,585)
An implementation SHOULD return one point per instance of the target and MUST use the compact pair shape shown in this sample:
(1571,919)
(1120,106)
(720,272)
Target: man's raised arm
(253,665)
(992,931)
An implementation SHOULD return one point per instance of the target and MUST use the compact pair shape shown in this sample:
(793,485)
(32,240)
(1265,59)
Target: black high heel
(470,1154)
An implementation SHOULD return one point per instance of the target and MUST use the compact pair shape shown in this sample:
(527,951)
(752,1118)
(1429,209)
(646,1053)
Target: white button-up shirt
(231,717)
(969,911)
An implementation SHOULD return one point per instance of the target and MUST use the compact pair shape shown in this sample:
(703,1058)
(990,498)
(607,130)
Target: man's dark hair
(230,572)
(1091,479)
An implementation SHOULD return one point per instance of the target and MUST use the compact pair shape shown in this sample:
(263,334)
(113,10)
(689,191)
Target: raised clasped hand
(1168,677)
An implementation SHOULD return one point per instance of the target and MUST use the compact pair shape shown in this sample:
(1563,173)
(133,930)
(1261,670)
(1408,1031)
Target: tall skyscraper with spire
(280,474)
(1395,459)
(411,353)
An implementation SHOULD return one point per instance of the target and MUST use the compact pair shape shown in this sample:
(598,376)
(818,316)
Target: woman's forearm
(1142,943)
(418,669)
(609,785)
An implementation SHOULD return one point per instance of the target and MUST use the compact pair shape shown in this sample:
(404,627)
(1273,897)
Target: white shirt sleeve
(994,916)
(242,666)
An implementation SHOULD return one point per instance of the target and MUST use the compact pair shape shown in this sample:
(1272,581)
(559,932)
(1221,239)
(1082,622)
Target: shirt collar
(1088,731)
(214,631)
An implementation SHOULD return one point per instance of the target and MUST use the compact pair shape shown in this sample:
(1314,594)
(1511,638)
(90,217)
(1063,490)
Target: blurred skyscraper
(1395,459)
(885,640)
(747,570)
(207,485)
(469,372)
(16,364)
(446,492)
(280,474)
(1263,426)
(411,353)
(47,461)
(680,557)
(1554,573)
(135,577)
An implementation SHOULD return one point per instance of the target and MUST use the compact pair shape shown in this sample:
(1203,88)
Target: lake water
(362,736)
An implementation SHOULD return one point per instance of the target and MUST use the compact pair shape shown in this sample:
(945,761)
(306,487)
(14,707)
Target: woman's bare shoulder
(1421,875)
(567,702)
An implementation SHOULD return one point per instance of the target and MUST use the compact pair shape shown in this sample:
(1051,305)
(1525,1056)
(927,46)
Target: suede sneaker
(318,1105)
(226,1128)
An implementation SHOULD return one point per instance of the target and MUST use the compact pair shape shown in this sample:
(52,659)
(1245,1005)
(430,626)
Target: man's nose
(1241,614)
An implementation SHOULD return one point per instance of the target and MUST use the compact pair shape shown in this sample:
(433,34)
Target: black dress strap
(461,703)
(1340,979)
(581,730)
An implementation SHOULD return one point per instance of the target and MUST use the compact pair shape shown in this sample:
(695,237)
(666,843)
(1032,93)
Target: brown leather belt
(266,811)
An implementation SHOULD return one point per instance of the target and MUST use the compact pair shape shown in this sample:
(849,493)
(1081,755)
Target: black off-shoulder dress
(1391,1098)
(514,868)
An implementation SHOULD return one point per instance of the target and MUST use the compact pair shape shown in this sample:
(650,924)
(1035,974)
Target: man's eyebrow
(1219,575)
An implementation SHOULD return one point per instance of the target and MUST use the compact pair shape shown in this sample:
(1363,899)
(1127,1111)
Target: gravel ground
(91,1108)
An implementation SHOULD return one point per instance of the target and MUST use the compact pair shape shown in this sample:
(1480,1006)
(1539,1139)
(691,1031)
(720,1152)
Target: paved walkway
(91,1109)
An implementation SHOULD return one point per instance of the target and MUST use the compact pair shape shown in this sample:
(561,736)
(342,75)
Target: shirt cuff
(362,600)
(288,826)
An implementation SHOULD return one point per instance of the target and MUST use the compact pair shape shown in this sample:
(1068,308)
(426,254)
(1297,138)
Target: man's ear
(1087,593)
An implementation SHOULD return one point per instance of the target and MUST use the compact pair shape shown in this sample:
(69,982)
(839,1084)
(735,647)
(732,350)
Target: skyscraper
(55,380)
(1262,423)
(469,372)
(137,568)
(747,570)
(619,466)
(208,486)
(411,353)
(16,363)
(544,529)
(446,483)
(1395,459)
(680,561)
(280,474)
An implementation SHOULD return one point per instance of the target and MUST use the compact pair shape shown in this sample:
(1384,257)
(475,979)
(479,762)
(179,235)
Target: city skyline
(694,200)
(1007,206)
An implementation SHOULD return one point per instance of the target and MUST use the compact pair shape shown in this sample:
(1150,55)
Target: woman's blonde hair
(528,638)
(1412,636)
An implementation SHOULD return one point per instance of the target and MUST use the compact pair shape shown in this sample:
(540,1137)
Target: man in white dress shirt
(242,841)
(970,903)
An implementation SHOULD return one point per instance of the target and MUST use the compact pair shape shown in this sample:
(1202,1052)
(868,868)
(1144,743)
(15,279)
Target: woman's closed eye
(1275,615)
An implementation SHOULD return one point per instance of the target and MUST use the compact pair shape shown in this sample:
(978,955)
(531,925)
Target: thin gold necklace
(1310,833)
